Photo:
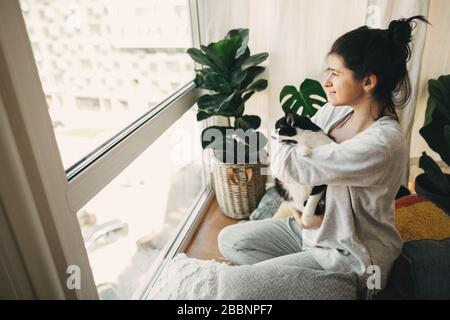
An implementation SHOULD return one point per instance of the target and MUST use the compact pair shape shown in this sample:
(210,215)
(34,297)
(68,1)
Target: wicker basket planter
(238,187)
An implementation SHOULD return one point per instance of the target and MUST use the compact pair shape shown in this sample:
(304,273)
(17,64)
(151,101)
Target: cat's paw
(304,151)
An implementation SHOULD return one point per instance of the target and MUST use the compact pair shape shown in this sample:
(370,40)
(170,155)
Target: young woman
(363,168)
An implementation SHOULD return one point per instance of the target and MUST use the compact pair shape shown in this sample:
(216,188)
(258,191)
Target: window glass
(129,222)
(104,63)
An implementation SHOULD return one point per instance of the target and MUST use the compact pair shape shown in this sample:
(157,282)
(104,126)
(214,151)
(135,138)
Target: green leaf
(228,106)
(218,104)
(226,49)
(447,135)
(238,62)
(199,81)
(288,103)
(201,58)
(248,122)
(304,97)
(211,102)
(237,76)
(431,106)
(286,91)
(241,106)
(258,85)
(219,81)
(439,91)
(254,60)
(202,115)
(252,73)
(437,117)
(247,96)
(434,174)
(241,34)
(434,134)
(214,58)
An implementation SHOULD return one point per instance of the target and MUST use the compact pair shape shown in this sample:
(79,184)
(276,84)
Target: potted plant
(229,73)
(433,183)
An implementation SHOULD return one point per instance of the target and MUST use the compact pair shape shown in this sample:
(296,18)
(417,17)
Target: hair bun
(400,33)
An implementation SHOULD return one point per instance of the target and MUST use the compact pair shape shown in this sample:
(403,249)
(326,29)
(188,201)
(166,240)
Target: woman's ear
(370,82)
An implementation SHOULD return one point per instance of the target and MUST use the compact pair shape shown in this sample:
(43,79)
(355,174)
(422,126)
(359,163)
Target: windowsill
(203,244)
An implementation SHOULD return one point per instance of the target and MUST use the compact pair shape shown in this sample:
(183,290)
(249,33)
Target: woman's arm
(361,161)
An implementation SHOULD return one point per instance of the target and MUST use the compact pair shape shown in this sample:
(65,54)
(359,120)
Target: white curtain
(435,62)
(298,34)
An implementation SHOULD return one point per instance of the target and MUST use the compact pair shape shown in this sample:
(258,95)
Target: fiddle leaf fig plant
(309,93)
(436,132)
(229,73)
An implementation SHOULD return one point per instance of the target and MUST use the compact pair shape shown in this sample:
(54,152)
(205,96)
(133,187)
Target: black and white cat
(309,200)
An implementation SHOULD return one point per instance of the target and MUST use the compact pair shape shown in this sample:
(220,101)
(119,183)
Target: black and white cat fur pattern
(309,200)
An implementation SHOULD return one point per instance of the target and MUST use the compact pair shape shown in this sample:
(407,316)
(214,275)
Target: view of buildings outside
(103,64)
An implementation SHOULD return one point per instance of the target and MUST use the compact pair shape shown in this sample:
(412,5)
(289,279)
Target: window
(58,79)
(124,104)
(88,104)
(108,156)
(128,224)
(86,64)
(97,56)
(95,29)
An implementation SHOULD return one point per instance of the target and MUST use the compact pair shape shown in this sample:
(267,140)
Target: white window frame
(38,201)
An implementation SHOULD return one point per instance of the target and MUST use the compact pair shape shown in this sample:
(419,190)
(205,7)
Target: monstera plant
(229,72)
(302,101)
(434,184)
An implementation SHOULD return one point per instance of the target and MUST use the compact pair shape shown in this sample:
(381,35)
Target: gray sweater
(363,175)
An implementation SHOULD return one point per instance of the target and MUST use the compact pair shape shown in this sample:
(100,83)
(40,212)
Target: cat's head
(293,124)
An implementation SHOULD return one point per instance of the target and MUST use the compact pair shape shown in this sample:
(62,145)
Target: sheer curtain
(298,34)
(435,62)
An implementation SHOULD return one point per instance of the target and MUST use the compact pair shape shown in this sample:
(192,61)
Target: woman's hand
(298,219)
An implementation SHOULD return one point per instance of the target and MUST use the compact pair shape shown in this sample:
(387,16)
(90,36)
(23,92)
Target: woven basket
(238,187)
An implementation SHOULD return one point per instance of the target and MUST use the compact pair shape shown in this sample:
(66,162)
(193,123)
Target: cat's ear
(290,119)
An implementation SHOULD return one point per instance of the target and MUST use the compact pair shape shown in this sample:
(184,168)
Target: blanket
(188,278)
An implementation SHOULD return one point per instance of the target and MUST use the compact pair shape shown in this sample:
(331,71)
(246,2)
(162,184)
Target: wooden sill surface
(203,244)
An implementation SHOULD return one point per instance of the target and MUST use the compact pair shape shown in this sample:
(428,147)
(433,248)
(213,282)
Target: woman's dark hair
(383,52)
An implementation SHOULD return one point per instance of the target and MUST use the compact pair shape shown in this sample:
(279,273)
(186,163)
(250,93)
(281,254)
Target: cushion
(422,271)
(269,204)
(417,218)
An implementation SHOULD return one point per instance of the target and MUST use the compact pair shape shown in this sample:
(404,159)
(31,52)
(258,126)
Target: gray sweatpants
(266,242)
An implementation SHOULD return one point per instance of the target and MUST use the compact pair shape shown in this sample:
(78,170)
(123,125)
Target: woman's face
(341,88)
